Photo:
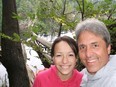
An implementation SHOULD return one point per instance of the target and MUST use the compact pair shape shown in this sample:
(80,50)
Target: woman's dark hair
(70,41)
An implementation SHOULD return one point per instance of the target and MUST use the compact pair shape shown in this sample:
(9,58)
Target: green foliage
(113,40)
(46,16)
(5,36)
(15,37)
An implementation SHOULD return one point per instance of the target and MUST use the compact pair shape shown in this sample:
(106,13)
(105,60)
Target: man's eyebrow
(94,43)
(90,43)
(81,45)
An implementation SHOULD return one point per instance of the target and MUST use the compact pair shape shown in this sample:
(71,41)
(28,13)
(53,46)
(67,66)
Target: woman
(62,73)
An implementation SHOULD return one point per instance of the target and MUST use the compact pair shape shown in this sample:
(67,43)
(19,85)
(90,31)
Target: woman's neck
(65,77)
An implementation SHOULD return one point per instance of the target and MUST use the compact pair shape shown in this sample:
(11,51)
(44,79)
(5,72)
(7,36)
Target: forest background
(21,21)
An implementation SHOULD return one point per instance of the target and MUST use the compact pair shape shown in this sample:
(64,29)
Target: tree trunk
(12,57)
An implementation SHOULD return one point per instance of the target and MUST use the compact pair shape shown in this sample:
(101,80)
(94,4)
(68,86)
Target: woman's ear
(53,59)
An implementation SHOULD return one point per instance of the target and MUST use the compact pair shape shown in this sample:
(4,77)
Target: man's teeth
(93,60)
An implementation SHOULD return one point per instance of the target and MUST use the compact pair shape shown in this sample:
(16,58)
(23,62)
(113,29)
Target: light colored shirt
(105,77)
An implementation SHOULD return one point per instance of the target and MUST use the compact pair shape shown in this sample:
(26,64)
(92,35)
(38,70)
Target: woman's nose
(65,59)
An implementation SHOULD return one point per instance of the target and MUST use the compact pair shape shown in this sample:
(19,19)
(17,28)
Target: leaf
(16,37)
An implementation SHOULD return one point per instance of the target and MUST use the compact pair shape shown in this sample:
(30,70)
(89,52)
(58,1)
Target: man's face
(93,51)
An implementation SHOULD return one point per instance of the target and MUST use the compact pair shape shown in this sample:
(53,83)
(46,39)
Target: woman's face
(64,59)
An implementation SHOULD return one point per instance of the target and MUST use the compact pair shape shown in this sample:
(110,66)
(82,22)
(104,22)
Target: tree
(12,56)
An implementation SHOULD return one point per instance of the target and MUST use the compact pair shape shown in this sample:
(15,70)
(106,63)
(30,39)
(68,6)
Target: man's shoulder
(83,71)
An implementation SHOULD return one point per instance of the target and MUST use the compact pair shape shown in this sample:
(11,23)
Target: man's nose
(88,52)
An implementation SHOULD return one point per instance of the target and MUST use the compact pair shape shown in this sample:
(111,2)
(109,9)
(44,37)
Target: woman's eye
(58,55)
(71,55)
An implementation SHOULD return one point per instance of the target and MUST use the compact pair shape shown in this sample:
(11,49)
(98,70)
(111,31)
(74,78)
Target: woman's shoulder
(44,72)
(79,74)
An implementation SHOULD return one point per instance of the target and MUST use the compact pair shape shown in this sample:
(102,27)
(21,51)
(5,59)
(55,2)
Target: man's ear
(109,49)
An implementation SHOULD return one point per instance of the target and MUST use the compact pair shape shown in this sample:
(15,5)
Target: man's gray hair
(96,27)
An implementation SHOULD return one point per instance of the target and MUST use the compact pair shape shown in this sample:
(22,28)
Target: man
(94,47)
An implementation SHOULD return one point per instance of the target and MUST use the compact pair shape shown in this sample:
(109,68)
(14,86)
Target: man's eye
(95,45)
(82,47)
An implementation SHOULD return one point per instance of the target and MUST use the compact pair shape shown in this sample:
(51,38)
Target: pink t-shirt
(49,78)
